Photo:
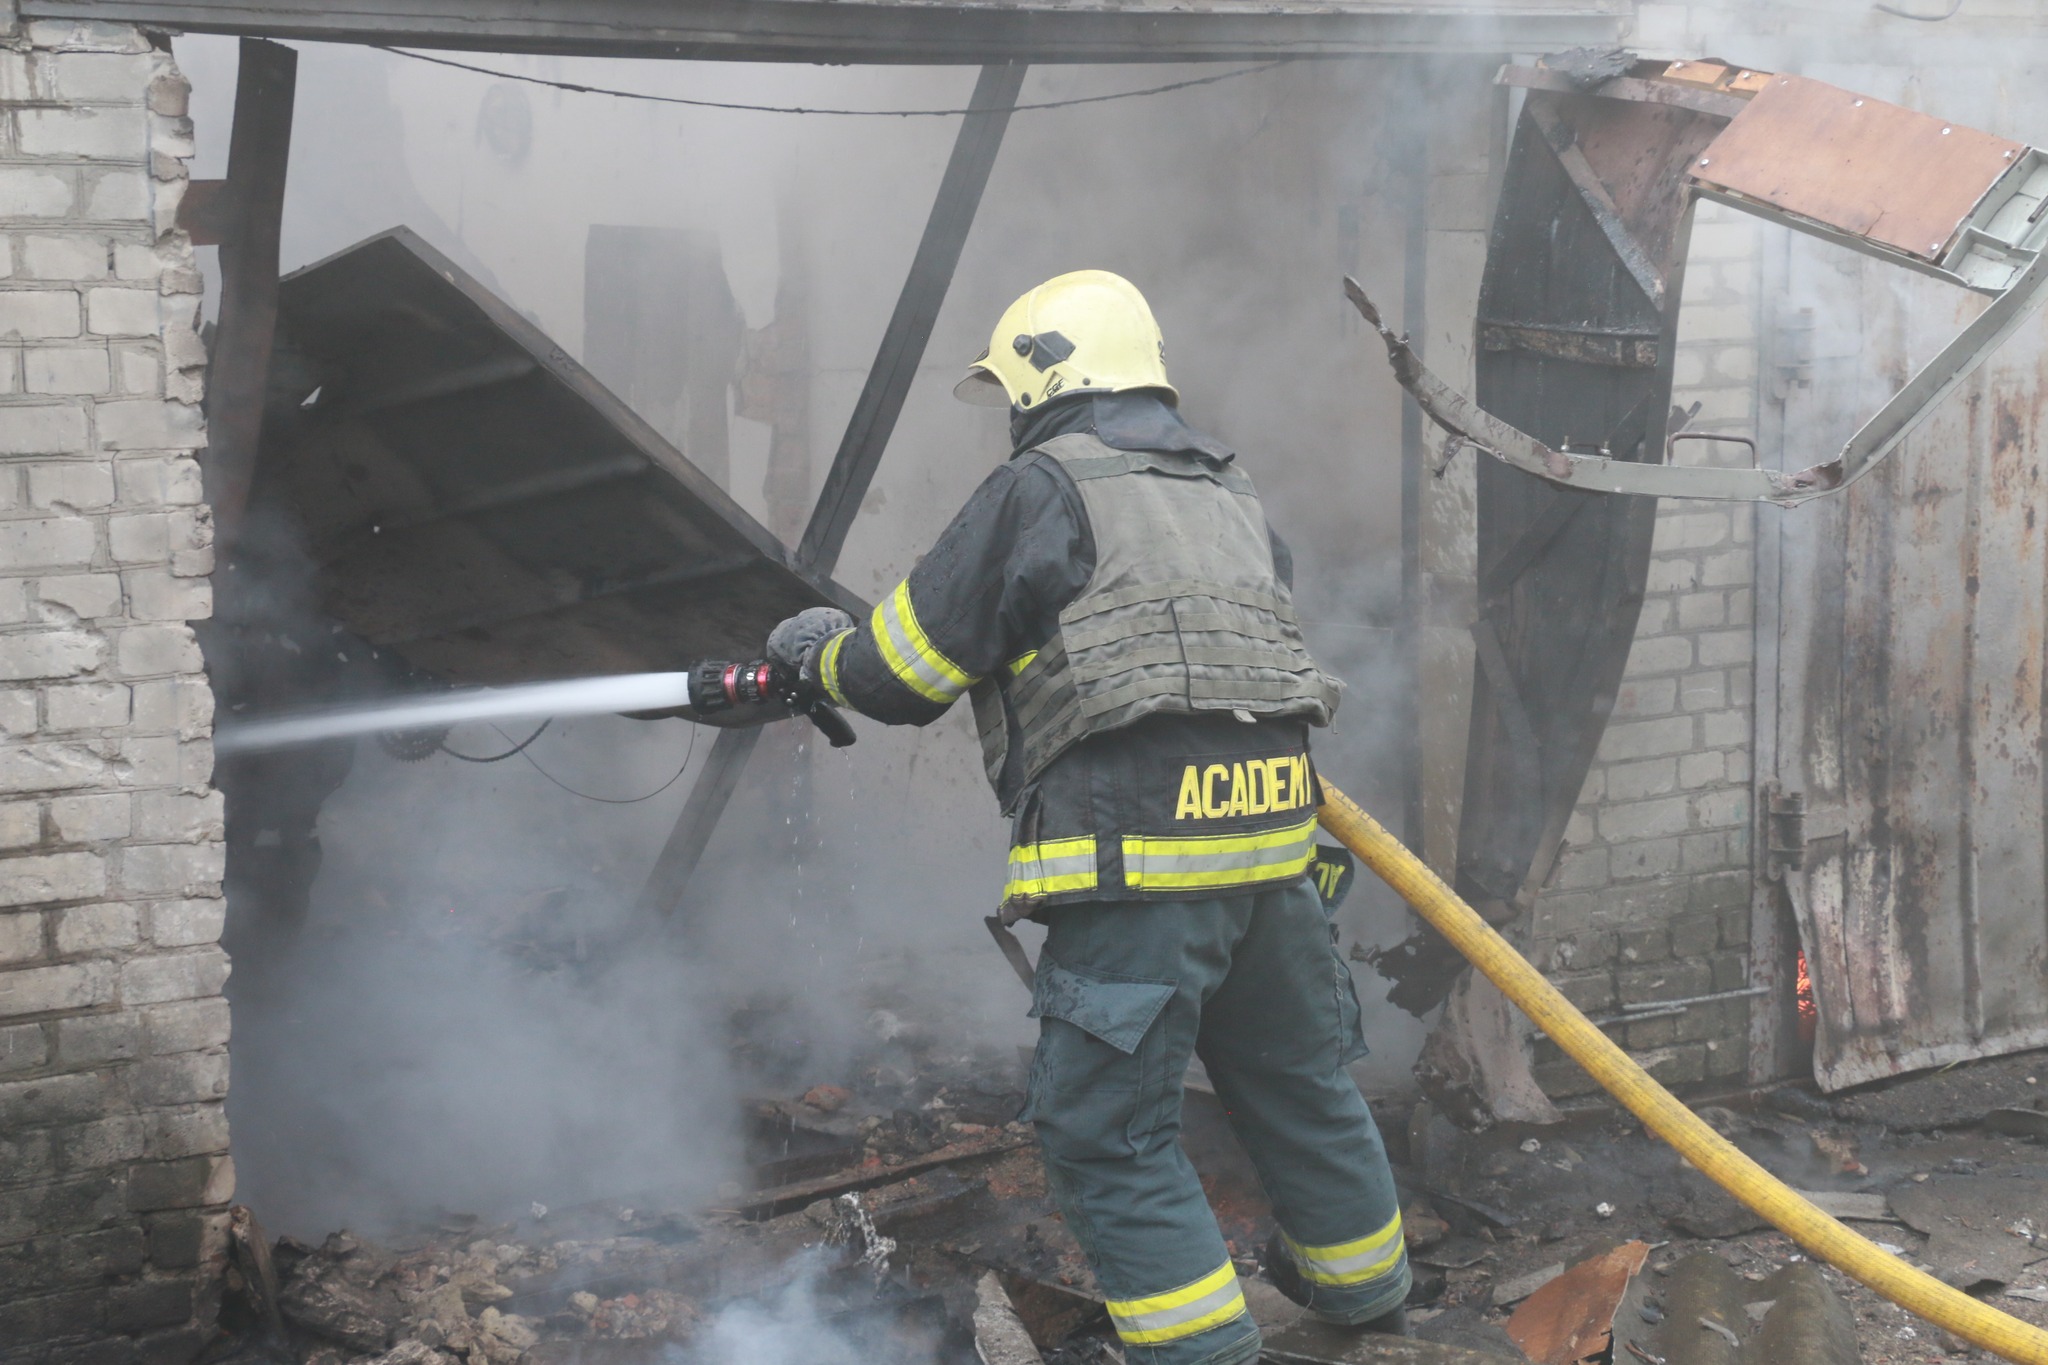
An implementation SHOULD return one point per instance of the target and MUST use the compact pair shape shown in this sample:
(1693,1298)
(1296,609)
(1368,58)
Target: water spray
(703,691)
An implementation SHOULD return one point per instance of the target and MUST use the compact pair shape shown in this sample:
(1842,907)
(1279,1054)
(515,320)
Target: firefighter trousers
(1126,993)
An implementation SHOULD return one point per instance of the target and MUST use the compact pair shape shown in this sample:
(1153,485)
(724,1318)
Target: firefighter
(1115,606)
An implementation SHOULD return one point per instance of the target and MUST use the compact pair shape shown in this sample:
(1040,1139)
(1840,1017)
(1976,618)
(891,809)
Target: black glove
(795,642)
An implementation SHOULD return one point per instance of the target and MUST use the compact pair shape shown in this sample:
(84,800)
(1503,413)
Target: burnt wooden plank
(238,374)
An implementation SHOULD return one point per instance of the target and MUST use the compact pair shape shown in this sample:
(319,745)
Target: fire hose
(1661,1112)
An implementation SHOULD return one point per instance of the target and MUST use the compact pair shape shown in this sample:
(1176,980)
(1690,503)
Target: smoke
(471,1014)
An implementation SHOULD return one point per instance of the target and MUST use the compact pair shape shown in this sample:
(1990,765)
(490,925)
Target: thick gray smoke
(472,1017)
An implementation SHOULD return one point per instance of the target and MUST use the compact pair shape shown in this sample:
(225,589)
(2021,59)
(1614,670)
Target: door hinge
(1789,827)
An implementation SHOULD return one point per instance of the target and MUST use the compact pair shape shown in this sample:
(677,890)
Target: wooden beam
(910,327)
(860,449)
(841,31)
(238,372)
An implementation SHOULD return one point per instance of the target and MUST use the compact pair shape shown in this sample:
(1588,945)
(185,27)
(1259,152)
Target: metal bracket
(1784,831)
(1671,444)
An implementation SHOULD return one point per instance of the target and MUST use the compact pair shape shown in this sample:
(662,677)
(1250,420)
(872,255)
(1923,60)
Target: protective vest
(1183,615)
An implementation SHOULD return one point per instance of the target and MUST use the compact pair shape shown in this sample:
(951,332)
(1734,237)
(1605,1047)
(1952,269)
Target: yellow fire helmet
(1084,332)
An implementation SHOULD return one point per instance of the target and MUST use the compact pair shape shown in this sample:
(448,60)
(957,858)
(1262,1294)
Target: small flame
(1809,1015)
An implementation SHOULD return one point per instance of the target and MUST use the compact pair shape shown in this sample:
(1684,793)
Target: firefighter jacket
(1115,602)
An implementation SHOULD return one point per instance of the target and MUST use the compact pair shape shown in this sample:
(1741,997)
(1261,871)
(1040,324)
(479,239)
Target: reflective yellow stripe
(1055,865)
(1020,663)
(1156,864)
(1352,1263)
(828,666)
(910,654)
(1209,1302)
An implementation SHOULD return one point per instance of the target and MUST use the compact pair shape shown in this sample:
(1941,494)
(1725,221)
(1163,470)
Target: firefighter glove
(796,641)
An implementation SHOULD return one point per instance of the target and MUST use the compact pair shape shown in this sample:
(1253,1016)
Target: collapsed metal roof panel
(478,503)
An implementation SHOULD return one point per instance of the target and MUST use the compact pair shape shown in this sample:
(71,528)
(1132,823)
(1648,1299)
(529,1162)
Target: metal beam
(860,450)
(842,31)
(238,375)
(910,327)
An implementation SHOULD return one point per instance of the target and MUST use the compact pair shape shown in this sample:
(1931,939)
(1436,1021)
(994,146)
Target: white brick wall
(1650,899)
(113,1033)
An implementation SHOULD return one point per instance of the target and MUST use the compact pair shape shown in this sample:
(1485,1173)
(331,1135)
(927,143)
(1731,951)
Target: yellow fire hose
(1720,1160)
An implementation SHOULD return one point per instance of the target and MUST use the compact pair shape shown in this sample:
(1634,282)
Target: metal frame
(860,449)
(2006,234)
(885,31)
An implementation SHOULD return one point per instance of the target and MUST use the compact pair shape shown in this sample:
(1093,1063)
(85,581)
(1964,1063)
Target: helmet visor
(980,386)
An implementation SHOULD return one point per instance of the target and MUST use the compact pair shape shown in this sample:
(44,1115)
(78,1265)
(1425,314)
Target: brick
(1647,738)
(1725,647)
(197,1130)
(1665,654)
(66,369)
(148,1303)
(106,133)
(1649,943)
(1581,867)
(103,1142)
(1652,1033)
(34,314)
(181,1184)
(53,1099)
(1718,809)
(1730,569)
(1724,729)
(17,711)
(39,990)
(44,542)
(1644,858)
(48,767)
(1703,691)
(173,976)
(171,869)
(54,1208)
(140,372)
(88,596)
(21,824)
(103,77)
(34,192)
(182,1078)
(49,654)
(1700,770)
(23,1047)
(144,651)
(1689,531)
(1664,981)
(1646,697)
(1701,610)
(84,706)
(1694,936)
(71,486)
(92,1038)
(181,704)
(187,923)
(148,423)
(170,480)
(179,1240)
(116,195)
(159,595)
(1734,928)
(1655,617)
(52,1316)
(1672,575)
(95,928)
(193,1025)
(112,310)
(1590,991)
(42,877)
(1731,971)
(143,538)
(163,817)
(63,258)
(21,936)
(1633,781)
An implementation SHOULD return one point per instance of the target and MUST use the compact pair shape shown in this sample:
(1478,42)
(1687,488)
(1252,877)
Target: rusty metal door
(1900,781)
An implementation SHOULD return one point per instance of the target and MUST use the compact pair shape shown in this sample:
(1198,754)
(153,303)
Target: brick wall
(113,1032)
(1650,900)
